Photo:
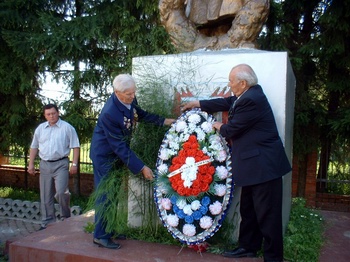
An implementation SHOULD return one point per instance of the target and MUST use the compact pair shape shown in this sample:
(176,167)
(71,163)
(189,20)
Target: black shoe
(239,252)
(120,237)
(106,242)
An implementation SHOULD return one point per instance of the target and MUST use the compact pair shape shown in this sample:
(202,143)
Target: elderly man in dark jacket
(110,143)
(258,163)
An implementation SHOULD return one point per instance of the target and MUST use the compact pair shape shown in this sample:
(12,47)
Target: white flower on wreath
(221,172)
(220,189)
(184,137)
(206,222)
(162,168)
(215,208)
(181,203)
(189,174)
(207,127)
(164,154)
(194,119)
(215,142)
(195,205)
(200,134)
(180,126)
(172,220)
(189,230)
(166,203)
(188,210)
(220,156)
(191,128)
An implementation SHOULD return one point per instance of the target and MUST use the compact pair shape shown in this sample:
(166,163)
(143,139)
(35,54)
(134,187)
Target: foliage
(83,44)
(315,34)
(19,102)
(304,237)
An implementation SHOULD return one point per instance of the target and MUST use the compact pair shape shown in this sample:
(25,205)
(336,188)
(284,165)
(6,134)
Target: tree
(315,34)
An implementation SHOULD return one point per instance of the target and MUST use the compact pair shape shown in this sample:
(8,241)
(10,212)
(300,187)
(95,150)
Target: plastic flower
(189,174)
(206,222)
(181,203)
(207,127)
(166,204)
(188,210)
(221,172)
(180,126)
(194,119)
(215,208)
(221,156)
(189,230)
(195,205)
(162,168)
(220,189)
(173,220)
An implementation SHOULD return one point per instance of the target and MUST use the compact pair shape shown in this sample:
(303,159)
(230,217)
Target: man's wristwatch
(74,164)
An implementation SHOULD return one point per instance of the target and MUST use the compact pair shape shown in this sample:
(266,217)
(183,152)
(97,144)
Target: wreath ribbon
(181,169)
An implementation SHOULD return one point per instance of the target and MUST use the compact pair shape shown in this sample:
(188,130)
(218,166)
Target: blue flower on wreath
(173,199)
(205,201)
(189,219)
(197,215)
(203,209)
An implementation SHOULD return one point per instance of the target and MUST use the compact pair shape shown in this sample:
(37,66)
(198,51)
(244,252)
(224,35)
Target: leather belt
(57,159)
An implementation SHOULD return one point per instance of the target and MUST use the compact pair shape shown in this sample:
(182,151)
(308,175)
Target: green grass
(304,236)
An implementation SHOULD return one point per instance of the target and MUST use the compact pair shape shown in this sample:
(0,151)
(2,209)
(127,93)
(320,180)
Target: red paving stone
(76,245)
(337,237)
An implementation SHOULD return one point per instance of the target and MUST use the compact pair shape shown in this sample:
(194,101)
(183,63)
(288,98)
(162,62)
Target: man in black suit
(258,163)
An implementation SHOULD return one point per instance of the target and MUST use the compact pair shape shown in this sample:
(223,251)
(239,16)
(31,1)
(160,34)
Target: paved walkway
(336,248)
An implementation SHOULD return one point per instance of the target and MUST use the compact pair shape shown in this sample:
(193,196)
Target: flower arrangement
(194,184)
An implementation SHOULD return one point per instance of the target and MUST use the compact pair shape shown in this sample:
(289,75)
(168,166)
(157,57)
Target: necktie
(230,112)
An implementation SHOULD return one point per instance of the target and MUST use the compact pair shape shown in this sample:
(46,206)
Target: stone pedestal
(204,74)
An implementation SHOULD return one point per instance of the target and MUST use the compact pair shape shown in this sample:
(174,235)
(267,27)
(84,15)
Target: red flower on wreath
(204,176)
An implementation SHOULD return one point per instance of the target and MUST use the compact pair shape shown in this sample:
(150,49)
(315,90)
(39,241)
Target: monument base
(67,241)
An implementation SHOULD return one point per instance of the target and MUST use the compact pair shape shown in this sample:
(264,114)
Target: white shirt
(54,142)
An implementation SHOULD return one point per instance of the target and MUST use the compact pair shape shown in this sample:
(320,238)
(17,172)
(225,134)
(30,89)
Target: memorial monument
(212,36)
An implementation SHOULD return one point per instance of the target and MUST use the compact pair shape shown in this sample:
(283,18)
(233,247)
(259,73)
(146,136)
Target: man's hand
(217,125)
(31,169)
(169,121)
(147,173)
(73,169)
(190,105)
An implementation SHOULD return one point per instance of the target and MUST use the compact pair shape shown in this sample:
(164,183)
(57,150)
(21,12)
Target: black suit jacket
(258,154)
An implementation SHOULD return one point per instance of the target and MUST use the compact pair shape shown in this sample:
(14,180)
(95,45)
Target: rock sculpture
(213,24)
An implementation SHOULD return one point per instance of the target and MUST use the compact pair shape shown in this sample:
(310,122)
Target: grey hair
(245,72)
(123,82)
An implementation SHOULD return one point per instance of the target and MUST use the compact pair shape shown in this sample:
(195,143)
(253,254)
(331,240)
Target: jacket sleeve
(217,104)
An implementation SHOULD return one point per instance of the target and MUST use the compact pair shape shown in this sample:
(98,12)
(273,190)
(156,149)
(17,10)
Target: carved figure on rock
(213,24)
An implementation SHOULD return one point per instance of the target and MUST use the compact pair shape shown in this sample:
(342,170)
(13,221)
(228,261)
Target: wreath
(193,182)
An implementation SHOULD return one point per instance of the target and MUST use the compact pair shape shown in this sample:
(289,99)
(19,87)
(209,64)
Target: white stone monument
(204,74)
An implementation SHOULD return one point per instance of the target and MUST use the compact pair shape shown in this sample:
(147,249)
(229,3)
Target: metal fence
(20,159)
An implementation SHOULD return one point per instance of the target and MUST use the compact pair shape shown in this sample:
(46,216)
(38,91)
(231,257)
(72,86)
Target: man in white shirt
(53,140)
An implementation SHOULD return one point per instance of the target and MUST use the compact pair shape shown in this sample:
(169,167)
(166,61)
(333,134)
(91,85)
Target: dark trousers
(101,171)
(261,212)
